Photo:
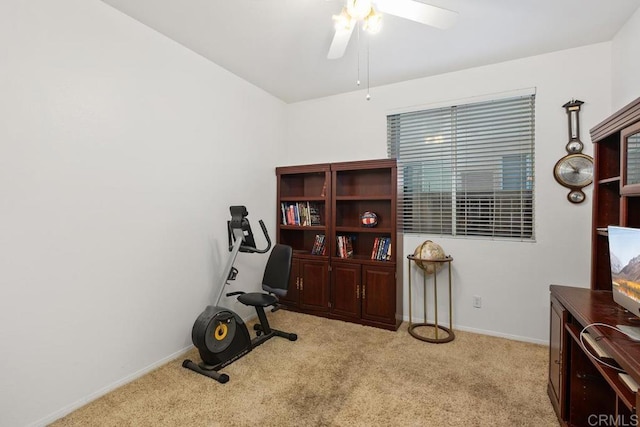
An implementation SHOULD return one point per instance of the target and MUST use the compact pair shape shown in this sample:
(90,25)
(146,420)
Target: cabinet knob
(301,283)
(357,291)
(363,291)
(297,283)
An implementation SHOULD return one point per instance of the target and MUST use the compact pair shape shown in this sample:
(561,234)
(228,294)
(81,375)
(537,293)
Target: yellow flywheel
(221,331)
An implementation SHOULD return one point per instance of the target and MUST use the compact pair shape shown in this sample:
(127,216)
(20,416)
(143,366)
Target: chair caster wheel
(292,337)
(257,327)
(258,332)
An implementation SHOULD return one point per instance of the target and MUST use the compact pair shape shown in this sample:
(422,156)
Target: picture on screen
(624,248)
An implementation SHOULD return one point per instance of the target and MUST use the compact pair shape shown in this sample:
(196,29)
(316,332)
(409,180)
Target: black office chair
(275,282)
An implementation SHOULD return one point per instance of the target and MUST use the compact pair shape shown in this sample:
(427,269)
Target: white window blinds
(466,170)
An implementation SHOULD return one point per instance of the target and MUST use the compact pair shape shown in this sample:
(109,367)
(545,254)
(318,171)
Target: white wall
(626,63)
(120,153)
(511,277)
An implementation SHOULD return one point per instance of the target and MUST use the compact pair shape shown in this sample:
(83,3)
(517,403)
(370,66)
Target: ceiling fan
(367,12)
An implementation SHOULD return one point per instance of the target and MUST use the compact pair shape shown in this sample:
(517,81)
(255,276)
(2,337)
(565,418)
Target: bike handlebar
(256,250)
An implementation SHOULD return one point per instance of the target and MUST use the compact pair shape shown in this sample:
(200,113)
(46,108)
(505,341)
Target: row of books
(319,247)
(381,249)
(301,213)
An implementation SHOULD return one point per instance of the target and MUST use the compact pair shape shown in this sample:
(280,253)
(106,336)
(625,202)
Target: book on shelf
(301,213)
(319,247)
(315,213)
(344,246)
(381,249)
(304,213)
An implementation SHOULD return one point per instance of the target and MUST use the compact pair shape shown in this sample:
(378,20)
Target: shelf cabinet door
(630,162)
(345,290)
(291,299)
(314,285)
(378,294)
(557,362)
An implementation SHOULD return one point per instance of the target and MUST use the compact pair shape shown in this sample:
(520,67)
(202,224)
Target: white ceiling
(281,45)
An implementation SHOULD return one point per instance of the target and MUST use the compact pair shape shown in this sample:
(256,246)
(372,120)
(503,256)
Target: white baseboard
(491,333)
(101,392)
(501,335)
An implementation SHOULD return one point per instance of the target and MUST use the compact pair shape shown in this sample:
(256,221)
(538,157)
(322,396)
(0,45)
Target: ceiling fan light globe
(373,22)
(359,9)
(342,21)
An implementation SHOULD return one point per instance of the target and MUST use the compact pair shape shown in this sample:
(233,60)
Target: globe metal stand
(413,326)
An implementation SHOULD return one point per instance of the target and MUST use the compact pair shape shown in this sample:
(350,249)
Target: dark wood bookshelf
(354,288)
(615,202)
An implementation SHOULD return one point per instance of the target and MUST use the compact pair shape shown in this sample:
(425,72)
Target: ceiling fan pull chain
(358,35)
(368,68)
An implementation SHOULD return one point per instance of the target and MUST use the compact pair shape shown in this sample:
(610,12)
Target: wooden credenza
(583,391)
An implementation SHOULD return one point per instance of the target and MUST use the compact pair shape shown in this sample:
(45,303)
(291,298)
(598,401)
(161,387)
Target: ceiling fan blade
(419,12)
(339,43)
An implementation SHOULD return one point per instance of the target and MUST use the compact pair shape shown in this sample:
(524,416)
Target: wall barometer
(575,170)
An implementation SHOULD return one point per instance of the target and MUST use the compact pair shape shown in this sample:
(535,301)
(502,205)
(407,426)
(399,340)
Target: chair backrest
(276,273)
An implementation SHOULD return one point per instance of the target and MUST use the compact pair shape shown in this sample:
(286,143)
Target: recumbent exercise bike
(219,334)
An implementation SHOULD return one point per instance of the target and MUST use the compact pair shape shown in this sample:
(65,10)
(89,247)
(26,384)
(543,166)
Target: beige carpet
(342,374)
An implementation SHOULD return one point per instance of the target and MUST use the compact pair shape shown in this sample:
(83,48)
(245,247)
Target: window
(466,170)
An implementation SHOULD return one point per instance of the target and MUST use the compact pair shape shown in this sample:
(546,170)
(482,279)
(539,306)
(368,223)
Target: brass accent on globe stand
(436,327)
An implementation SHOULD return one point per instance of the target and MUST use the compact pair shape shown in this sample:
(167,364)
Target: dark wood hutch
(582,390)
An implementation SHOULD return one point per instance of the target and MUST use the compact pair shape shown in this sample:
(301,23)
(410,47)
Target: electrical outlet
(477,301)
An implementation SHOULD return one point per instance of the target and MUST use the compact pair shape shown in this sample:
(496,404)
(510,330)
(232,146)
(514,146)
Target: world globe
(429,250)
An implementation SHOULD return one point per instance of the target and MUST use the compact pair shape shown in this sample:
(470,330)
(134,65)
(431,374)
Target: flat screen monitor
(624,257)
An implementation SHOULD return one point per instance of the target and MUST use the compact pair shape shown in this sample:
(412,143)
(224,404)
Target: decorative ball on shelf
(429,250)
(369,219)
